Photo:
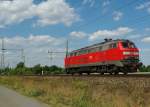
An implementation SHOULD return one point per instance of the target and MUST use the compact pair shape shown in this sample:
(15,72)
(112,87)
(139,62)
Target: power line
(51,53)
(22,53)
(58,52)
(3,50)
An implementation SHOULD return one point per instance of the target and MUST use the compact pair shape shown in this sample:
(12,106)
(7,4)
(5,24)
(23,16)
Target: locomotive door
(105,56)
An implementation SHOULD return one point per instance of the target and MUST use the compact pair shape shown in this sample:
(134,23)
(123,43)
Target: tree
(56,70)
(143,68)
(148,68)
(46,69)
(20,65)
(37,69)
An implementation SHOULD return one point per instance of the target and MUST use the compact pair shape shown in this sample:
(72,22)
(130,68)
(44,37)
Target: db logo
(90,57)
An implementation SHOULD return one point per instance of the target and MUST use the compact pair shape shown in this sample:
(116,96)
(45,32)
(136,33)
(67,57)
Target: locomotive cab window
(125,45)
(131,45)
(128,45)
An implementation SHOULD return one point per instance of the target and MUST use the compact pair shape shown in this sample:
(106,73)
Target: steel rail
(91,75)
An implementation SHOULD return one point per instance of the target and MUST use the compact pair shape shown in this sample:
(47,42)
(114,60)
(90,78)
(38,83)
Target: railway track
(92,75)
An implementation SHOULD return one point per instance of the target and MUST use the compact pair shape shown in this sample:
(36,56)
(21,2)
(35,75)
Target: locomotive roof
(100,44)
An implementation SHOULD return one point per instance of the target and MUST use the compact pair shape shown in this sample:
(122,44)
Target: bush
(21,69)
(145,68)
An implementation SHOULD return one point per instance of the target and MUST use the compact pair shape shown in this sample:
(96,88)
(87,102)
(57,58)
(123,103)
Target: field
(84,91)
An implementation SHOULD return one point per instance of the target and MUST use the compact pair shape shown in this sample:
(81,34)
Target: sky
(41,25)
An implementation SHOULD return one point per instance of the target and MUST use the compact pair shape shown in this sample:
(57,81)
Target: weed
(83,92)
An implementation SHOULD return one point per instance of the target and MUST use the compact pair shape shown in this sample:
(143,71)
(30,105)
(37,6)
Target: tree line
(21,69)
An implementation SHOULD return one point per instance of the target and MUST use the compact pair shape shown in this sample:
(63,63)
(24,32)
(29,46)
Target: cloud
(106,3)
(47,12)
(36,49)
(146,40)
(117,15)
(134,36)
(105,6)
(90,2)
(78,35)
(144,6)
(147,29)
(121,31)
(54,12)
(15,11)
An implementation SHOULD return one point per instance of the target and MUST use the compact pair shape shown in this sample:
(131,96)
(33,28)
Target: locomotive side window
(75,53)
(95,49)
(113,45)
(91,50)
(100,48)
(105,47)
(71,54)
(82,52)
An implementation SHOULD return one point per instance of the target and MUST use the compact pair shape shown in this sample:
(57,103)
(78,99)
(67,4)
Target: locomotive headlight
(136,53)
(130,53)
(126,53)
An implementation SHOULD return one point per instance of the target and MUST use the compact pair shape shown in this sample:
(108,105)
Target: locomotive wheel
(102,73)
(125,73)
(72,73)
(88,73)
(110,73)
(116,73)
(80,73)
(67,72)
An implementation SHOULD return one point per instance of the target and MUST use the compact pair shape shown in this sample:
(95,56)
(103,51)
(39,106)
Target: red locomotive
(111,56)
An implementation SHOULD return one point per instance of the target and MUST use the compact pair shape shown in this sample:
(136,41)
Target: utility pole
(51,57)
(67,48)
(54,52)
(23,56)
(3,49)
(3,55)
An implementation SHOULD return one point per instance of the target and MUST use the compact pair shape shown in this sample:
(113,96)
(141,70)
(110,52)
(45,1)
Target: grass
(83,91)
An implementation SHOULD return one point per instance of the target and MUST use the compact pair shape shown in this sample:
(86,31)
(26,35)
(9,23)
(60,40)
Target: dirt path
(9,98)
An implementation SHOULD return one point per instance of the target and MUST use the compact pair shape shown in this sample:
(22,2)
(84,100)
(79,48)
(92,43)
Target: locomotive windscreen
(128,45)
